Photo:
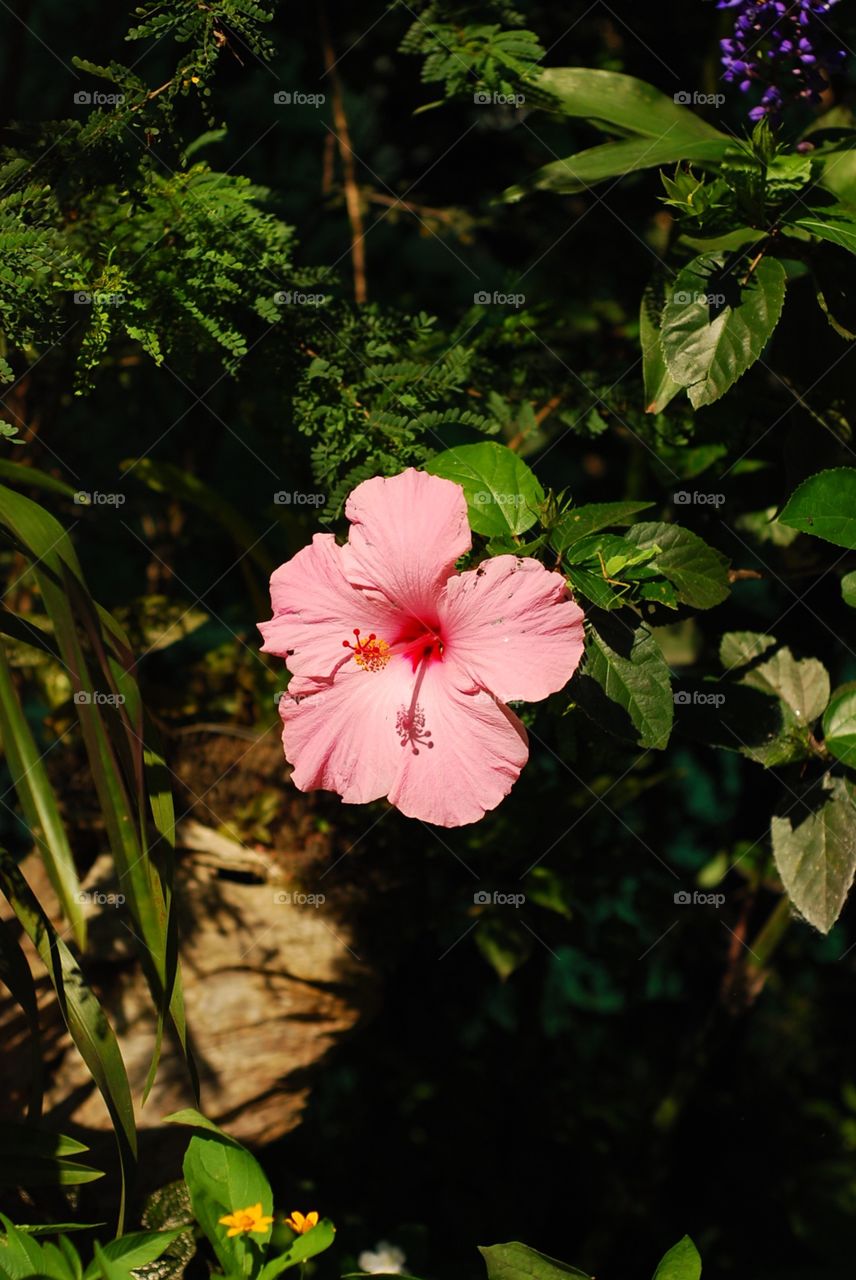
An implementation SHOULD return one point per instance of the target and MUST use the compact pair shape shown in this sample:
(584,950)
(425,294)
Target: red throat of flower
(427,647)
(420,644)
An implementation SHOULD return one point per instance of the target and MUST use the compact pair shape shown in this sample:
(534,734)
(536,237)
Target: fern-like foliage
(382,394)
(195,262)
(491,52)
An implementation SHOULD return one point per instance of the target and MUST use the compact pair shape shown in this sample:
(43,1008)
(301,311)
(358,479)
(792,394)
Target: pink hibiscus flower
(401,666)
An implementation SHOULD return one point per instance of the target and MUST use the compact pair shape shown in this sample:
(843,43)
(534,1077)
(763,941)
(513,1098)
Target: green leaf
(660,386)
(739,648)
(17,977)
(839,724)
(775,728)
(516,1261)
(624,684)
(579,522)
(382,1275)
(623,102)
(610,552)
(835,224)
(89,639)
(134,1250)
(817,858)
(586,169)
(504,945)
(714,328)
(698,572)
(25,1139)
(196,1120)
(802,685)
(222,1176)
(53,1228)
(848,589)
(30,779)
(594,587)
(503,496)
(825,505)
(31,630)
(17,473)
(682,1262)
(786,174)
(107,1268)
(86,1021)
(22,1257)
(302,1248)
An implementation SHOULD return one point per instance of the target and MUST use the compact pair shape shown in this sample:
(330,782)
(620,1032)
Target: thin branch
(352,191)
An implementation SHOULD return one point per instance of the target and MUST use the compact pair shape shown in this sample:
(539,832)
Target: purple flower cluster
(783,46)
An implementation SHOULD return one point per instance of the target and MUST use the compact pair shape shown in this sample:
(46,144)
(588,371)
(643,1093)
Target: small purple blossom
(782,46)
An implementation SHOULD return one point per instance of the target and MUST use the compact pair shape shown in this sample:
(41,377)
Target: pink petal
(340,735)
(406,534)
(316,610)
(440,754)
(478,748)
(512,626)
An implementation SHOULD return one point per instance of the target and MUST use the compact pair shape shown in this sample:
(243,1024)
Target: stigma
(371,654)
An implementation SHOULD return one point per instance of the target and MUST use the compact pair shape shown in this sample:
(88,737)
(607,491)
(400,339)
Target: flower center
(422,644)
(370,654)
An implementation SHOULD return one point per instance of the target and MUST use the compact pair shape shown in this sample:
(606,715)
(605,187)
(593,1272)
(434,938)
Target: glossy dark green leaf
(579,522)
(503,496)
(624,683)
(682,1262)
(825,505)
(591,585)
(660,386)
(839,724)
(134,1250)
(835,224)
(516,1261)
(36,1157)
(715,326)
(623,102)
(31,477)
(585,169)
(698,571)
(222,1176)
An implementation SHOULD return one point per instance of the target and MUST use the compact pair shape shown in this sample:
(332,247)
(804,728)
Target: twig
(423,210)
(352,191)
(544,412)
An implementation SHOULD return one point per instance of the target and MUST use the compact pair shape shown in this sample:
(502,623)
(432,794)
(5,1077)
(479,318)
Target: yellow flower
(250,1219)
(301,1225)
